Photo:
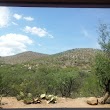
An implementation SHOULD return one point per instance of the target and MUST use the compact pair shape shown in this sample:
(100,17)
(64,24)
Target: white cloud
(4,16)
(14,23)
(17,16)
(28,18)
(11,44)
(37,31)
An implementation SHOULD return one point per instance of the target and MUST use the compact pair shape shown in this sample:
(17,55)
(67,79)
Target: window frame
(57,3)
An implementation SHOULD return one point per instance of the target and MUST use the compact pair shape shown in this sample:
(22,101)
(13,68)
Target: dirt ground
(11,102)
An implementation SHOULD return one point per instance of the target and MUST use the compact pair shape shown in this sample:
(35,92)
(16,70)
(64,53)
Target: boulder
(92,101)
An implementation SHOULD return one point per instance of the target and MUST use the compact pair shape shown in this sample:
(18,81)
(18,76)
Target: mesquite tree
(0,90)
(102,66)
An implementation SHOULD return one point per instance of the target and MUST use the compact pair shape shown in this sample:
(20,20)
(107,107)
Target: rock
(92,101)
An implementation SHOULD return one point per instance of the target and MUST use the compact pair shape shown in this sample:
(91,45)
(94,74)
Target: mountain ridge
(72,54)
(21,57)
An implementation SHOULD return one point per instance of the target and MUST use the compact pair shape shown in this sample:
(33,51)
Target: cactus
(18,97)
(28,101)
(52,100)
(43,96)
(29,95)
(36,100)
(48,97)
(22,95)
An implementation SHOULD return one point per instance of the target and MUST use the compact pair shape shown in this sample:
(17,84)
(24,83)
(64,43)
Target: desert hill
(81,57)
(21,57)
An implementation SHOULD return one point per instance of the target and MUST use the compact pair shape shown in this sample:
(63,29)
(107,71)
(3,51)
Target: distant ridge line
(31,56)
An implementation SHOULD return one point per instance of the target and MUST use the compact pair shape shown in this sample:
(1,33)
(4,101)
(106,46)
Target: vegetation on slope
(65,74)
(22,57)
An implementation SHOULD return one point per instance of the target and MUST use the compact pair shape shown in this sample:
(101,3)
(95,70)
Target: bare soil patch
(11,102)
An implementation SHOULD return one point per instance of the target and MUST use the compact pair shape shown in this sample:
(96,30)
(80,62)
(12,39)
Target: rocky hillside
(80,57)
(22,57)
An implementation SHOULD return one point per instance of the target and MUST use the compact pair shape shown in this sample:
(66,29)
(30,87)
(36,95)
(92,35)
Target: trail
(11,102)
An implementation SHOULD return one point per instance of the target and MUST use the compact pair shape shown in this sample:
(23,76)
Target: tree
(1,91)
(102,66)
(104,38)
(68,81)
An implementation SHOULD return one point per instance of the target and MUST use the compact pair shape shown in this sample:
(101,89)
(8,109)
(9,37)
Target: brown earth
(11,102)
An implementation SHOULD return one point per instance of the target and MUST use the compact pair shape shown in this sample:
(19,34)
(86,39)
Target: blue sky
(49,30)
